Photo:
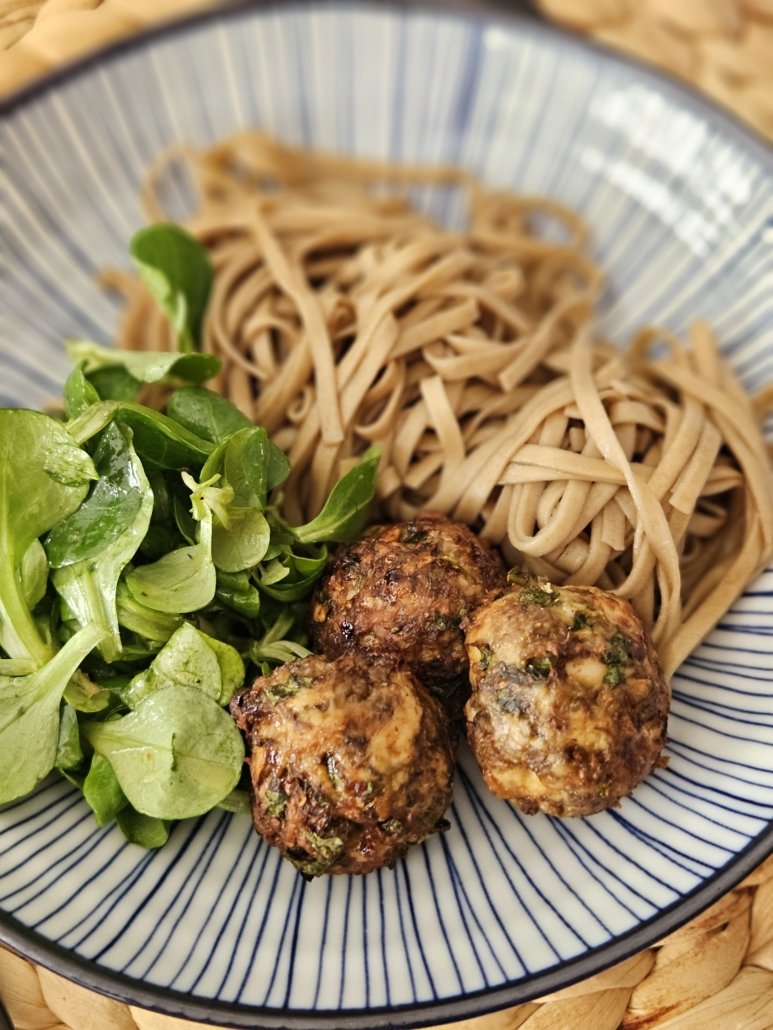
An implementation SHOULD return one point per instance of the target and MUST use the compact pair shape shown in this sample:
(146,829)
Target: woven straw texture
(717,971)
(725,47)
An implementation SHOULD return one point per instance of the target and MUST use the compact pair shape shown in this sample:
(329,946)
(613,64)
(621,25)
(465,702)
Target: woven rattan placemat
(716,973)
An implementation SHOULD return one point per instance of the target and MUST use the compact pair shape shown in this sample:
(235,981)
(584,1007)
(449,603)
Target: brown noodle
(343,317)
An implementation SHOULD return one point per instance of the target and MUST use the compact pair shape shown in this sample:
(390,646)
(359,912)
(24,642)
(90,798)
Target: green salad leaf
(190,658)
(44,477)
(184,580)
(141,365)
(251,464)
(242,542)
(79,393)
(153,625)
(159,440)
(144,830)
(29,716)
(247,465)
(346,509)
(291,576)
(236,590)
(34,574)
(177,271)
(238,802)
(89,550)
(83,695)
(177,755)
(69,753)
(206,414)
(110,509)
(102,790)
(115,383)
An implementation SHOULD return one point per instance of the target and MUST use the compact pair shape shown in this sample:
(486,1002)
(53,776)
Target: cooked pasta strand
(343,316)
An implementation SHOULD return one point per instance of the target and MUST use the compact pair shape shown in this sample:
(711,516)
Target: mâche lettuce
(145,569)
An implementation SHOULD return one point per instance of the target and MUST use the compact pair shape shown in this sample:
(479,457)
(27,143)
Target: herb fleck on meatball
(401,592)
(569,704)
(350,762)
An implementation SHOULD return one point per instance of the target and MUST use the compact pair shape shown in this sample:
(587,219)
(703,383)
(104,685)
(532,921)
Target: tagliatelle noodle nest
(345,317)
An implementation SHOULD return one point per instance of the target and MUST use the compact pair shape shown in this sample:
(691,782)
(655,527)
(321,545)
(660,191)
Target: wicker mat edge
(717,971)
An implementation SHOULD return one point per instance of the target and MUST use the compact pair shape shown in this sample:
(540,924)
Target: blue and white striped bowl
(501,908)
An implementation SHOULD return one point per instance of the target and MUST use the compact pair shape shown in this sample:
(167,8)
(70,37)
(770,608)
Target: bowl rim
(511,12)
(34,947)
(30,945)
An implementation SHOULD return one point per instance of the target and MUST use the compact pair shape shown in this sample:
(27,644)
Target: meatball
(401,592)
(350,762)
(569,704)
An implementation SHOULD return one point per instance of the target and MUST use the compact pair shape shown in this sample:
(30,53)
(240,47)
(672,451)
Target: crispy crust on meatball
(569,705)
(350,762)
(401,592)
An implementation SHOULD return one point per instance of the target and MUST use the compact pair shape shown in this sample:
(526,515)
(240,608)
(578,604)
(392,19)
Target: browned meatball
(569,705)
(401,592)
(350,762)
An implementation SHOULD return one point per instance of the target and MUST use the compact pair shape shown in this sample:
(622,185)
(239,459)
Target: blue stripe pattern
(681,211)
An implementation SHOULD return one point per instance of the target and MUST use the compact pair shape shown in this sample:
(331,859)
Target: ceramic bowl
(501,908)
